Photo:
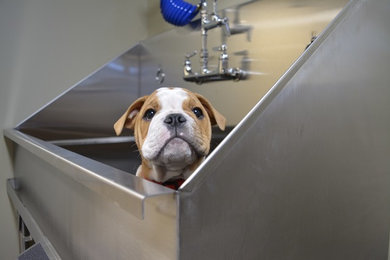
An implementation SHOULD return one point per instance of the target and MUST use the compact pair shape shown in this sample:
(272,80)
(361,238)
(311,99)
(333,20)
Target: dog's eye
(198,112)
(149,114)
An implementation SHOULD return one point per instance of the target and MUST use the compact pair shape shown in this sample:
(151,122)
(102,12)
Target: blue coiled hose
(178,12)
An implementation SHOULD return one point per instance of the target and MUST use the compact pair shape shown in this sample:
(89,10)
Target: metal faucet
(223,72)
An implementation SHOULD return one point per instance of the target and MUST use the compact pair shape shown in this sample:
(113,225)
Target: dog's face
(172,128)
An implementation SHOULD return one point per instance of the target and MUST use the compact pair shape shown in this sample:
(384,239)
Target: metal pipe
(204,52)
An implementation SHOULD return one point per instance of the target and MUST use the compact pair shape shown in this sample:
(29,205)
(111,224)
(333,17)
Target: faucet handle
(225,26)
(221,48)
(190,55)
(223,59)
(187,64)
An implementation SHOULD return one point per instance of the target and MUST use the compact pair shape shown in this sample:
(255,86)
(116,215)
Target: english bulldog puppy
(172,129)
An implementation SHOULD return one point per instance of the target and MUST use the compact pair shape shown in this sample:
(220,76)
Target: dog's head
(172,129)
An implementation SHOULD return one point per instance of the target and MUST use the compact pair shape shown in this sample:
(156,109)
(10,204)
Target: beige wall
(45,47)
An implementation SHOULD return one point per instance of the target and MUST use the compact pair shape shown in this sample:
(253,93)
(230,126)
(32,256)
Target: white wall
(47,46)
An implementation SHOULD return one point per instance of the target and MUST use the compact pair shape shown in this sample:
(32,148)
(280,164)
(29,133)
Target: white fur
(171,99)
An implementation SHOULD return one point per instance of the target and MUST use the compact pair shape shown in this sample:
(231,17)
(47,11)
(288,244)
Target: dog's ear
(127,119)
(215,116)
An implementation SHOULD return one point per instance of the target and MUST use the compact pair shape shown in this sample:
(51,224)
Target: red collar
(174,185)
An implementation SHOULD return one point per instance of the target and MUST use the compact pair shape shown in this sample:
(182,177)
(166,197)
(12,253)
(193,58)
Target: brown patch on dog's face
(136,118)
(142,121)
(209,115)
(214,116)
(202,129)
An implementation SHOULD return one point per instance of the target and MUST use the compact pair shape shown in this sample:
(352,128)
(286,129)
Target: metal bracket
(34,234)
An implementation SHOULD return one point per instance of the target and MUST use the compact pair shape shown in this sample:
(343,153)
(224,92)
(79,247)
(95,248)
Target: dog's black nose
(175,120)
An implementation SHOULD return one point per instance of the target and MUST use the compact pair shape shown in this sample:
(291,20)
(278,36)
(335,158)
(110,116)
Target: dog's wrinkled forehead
(171,99)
